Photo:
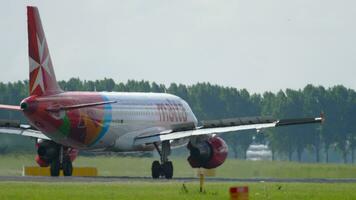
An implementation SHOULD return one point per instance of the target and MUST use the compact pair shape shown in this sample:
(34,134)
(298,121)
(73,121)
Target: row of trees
(213,102)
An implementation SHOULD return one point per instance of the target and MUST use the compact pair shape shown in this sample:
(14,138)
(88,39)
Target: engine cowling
(41,162)
(73,153)
(46,151)
(208,154)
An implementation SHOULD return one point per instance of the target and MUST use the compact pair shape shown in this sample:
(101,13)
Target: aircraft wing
(15,128)
(225,126)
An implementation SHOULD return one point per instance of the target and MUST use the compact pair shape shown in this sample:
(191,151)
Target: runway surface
(106,179)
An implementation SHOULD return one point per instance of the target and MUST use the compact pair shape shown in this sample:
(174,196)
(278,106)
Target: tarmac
(107,179)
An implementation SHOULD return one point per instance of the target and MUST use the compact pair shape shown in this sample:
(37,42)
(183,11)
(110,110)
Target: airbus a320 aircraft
(65,122)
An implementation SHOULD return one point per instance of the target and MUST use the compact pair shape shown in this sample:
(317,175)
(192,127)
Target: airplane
(65,122)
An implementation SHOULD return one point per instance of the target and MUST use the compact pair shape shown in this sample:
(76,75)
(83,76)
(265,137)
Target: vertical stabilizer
(42,78)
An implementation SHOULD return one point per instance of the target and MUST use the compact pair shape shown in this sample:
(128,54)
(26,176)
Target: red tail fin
(42,78)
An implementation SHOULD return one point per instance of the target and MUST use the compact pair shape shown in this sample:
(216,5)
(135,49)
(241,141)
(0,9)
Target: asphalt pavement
(178,179)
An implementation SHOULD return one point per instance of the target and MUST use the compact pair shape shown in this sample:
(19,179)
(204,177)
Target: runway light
(239,193)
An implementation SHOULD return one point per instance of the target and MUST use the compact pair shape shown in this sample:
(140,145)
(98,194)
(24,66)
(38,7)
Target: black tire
(55,167)
(167,169)
(156,169)
(67,167)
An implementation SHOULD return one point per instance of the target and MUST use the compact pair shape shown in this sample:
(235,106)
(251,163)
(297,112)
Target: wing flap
(237,121)
(199,131)
(288,122)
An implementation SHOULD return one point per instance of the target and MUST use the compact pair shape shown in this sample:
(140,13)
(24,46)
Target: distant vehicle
(258,152)
(65,122)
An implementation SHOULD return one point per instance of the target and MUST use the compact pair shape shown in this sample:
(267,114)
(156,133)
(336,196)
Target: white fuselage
(138,114)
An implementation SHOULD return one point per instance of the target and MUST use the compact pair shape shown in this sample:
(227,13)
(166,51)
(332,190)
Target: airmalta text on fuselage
(172,112)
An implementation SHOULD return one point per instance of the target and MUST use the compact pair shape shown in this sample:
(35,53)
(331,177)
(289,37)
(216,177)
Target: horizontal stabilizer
(16,128)
(10,107)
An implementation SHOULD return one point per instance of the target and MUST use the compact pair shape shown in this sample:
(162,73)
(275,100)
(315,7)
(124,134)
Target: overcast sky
(255,44)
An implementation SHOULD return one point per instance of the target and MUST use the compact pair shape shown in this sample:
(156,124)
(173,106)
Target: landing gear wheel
(67,167)
(55,167)
(156,169)
(167,169)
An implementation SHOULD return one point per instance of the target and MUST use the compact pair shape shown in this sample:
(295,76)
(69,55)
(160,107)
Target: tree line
(208,101)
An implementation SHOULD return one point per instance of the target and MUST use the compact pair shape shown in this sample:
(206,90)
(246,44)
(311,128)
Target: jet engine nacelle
(46,151)
(41,162)
(208,154)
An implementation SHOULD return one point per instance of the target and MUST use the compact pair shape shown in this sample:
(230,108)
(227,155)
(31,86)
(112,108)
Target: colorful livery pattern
(80,127)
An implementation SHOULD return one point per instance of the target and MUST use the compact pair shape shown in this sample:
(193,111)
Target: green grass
(118,166)
(172,191)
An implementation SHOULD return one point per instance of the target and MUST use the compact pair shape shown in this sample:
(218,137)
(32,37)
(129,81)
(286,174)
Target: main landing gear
(165,167)
(61,161)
